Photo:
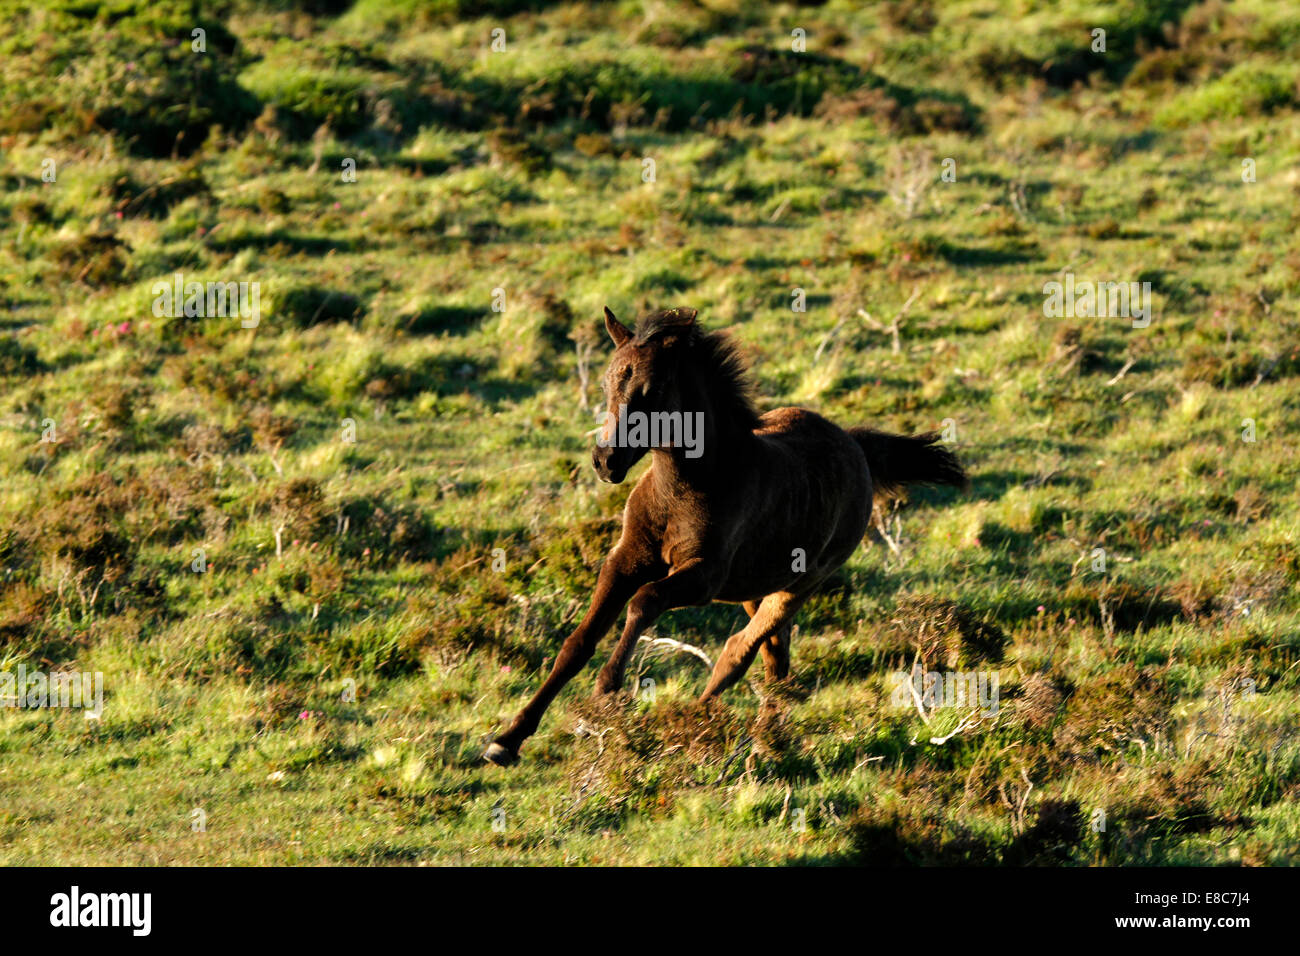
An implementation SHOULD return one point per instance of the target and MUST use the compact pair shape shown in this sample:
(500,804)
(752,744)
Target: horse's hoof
(499,755)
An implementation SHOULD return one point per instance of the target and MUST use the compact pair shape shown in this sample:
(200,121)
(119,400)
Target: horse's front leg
(618,581)
(688,585)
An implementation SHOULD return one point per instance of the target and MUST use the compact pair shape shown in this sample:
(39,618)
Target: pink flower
(1041,609)
(506,668)
(124,328)
(304,715)
(118,214)
(338,205)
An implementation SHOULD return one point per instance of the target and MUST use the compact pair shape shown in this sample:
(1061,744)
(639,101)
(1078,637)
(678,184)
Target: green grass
(1124,691)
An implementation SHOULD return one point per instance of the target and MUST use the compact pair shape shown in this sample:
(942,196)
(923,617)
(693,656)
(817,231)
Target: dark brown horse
(752,509)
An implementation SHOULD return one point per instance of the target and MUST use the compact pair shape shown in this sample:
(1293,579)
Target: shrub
(135,78)
(303,306)
(155,201)
(1245,90)
(17,358)
(97,259)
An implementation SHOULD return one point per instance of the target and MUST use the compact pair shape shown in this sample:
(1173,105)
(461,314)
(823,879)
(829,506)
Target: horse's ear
(619,332)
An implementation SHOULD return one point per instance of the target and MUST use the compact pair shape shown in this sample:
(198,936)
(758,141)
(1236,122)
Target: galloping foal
(758,510)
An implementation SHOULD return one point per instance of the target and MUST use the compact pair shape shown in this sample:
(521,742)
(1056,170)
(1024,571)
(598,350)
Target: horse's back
(802,432)
(811,490)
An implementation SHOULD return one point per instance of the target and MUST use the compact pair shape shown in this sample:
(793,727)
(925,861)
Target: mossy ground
(1161,692)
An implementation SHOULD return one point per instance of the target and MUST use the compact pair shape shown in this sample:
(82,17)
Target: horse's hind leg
(776,653)
(776,649)
(769,621)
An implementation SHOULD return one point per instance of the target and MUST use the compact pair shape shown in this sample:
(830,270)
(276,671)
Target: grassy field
(321,691)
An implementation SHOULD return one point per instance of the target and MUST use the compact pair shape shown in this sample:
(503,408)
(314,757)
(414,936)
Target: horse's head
(641,380)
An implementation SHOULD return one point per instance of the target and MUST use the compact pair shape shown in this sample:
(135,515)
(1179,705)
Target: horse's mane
(723,368)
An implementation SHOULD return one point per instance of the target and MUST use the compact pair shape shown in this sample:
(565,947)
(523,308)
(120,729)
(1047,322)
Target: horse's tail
(898,460)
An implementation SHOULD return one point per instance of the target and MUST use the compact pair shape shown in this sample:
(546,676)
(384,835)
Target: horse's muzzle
(607,468)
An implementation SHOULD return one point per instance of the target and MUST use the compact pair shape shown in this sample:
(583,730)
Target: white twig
(884,534)
(967,723)
(826,340)
(864,761)
(679,646)
(911,685)
(1122,372)
(584,373)
(894,327)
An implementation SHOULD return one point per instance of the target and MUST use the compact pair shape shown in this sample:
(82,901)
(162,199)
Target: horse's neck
(726,442)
